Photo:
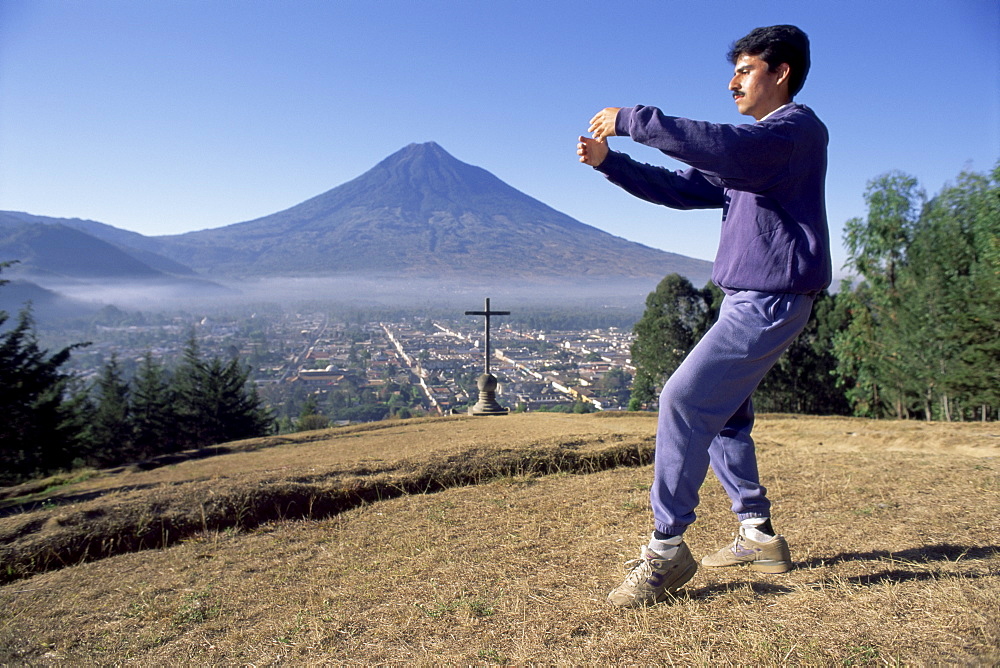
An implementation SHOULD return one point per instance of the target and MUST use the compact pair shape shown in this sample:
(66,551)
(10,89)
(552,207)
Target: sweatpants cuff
(670,529)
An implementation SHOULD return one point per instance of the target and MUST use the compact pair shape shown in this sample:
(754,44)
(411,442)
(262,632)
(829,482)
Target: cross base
(487,404)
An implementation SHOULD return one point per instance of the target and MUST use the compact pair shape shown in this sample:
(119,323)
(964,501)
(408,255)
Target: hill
(69,264)
(56,250)
(71,247)
(463,540)
(44,303)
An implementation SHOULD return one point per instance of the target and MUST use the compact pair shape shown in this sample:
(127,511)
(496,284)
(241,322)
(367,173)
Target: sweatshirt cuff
(611,163)
(623,121)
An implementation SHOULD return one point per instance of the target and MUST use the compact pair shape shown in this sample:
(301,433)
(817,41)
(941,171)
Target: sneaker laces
(634,567)
(736,543)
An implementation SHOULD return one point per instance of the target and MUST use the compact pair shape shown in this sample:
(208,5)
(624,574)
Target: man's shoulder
(799,115)
(792,111)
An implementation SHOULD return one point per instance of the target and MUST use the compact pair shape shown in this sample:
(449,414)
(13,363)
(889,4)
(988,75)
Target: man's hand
(602,125)
(592,151)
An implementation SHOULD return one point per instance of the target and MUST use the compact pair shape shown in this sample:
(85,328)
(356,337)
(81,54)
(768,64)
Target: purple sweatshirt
(768,179)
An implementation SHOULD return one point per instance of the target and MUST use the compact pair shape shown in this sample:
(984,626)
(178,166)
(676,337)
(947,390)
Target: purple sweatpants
(706,413)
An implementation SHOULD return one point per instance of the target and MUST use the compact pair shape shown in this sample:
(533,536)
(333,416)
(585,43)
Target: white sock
(665,548)
(749,528)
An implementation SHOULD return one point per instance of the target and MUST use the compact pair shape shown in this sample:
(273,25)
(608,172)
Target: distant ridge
(57,250)
(63,265)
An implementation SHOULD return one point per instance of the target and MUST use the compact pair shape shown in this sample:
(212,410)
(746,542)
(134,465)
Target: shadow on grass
(712,592)
(919,558)
(916,555)
(43,501)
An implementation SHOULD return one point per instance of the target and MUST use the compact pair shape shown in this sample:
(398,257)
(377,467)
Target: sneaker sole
(760,565)
(770,566)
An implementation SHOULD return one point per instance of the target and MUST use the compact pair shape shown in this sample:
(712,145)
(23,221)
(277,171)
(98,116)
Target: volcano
(423,213)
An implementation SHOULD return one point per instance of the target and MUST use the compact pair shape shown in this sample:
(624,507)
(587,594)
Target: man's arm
(678,190)
(753,158)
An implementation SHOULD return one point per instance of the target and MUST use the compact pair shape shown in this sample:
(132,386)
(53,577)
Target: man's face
(756,90)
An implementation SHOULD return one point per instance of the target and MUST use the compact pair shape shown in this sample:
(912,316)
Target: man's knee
(676,394)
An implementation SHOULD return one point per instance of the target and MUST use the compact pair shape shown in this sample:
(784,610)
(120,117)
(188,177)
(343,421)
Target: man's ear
(784,71)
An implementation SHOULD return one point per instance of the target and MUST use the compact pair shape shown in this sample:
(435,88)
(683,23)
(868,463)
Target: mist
(417,294)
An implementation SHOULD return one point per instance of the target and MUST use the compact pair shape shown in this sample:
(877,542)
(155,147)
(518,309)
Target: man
(773,258)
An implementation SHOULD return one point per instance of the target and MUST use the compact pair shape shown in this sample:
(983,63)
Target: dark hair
(775,45)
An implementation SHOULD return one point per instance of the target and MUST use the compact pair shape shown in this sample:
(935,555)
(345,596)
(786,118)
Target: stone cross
(486,330)
(487,383)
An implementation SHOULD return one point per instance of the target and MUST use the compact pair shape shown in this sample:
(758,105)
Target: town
(369,366)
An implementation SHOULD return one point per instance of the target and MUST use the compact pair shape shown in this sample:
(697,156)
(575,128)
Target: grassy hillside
(496,540)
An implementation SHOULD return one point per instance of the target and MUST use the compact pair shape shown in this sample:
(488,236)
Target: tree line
(52,421)
(915,335)
(922,331)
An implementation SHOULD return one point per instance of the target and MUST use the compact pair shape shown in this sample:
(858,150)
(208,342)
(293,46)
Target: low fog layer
(350,291)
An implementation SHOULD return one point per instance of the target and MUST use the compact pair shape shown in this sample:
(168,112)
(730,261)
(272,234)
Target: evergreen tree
(78,410)
(615,384)
(923,329)
(979,375)
(857,367)
(712,295)
(676,318)
(877,244)
(37,429)
(154,416)
(110,429)
(215,403)
(802,380)
(871,349)
(953,296)
(310,418)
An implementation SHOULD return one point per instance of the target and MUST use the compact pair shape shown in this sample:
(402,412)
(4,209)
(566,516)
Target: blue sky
(165,116)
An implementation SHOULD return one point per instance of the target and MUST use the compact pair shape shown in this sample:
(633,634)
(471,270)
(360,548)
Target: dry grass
(893,527)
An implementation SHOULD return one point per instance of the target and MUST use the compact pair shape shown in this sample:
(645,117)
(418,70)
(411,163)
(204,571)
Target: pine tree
(37,432)
(110,430)
(154,416)
(215,402)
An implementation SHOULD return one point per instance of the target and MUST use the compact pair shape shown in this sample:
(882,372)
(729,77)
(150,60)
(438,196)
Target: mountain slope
(71,265)
(421,212)
(138,247)
(16,295)
(60,251)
